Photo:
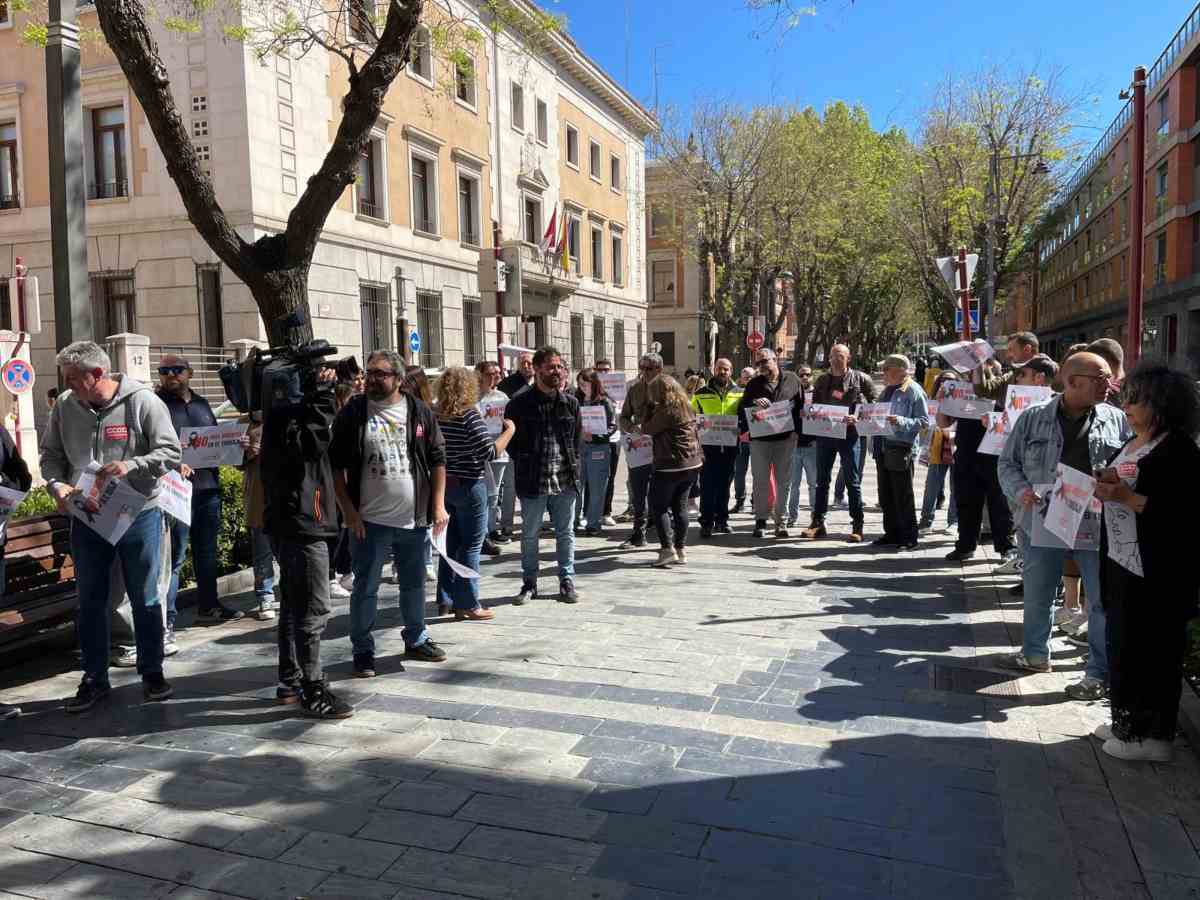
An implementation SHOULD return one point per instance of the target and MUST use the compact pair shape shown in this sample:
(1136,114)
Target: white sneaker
(666,558)
(1103,732)
(1149,750)
(1075,626)
(609,522)
(1063,615)
(681,556)
(336,591)
(430,576)
(265,611)
(1012,565)
(347,581)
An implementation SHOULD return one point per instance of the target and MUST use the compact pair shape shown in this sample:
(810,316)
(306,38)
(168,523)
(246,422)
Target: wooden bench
(39,579)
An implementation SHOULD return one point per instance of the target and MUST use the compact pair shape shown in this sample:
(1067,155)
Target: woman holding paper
(469,448)
(594,407)
(1148,577)
(677,461)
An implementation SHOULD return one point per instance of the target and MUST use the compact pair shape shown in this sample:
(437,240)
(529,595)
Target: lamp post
(1137,209)
(989,297)
(68,203)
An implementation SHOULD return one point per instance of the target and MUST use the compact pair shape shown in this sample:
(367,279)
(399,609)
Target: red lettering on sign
(116,432)
(837,395)
(1127,470)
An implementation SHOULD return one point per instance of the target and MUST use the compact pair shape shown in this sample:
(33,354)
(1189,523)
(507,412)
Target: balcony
(369,209)
(109,190)
(9,201)
(536,284)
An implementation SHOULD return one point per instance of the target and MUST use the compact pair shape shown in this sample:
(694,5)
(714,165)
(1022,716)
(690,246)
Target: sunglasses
(171,370)
(380,373)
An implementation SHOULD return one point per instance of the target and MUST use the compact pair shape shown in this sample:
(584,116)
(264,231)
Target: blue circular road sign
(414,341)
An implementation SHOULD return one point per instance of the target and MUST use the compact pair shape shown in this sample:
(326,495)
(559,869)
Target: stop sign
(754,340)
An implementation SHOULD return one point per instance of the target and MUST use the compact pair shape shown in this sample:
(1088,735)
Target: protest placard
(9,500)
(964,356)
(175,497)
(615,386)
(872,419)
(1067,505)
(492,412)
(932,407)
(595,420)
(998,428)
(959,401)
(213,445)
(639,450)
(114,504)
(769,420)
(825,420)
(717,431)
(1022,397)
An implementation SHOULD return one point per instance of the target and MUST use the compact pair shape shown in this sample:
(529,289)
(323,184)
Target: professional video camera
(277,376)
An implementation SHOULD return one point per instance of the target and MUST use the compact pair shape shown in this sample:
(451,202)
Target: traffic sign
(755,340)
(414,341)
(18,376)
(958,322)
(948,266)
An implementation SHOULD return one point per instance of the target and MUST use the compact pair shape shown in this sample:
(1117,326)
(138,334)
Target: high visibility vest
(707,402)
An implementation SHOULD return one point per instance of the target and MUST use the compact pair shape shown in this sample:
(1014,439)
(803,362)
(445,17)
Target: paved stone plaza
(775,719)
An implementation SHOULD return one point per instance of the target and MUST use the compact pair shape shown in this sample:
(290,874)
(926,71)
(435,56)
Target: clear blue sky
(884,54)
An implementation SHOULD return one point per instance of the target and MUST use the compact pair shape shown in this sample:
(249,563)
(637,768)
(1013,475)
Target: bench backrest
(39,577)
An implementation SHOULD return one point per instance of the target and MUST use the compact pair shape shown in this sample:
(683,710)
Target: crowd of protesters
(404,471)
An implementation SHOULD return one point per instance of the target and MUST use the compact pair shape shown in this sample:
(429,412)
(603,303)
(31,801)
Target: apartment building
(1084,264)
(533,128)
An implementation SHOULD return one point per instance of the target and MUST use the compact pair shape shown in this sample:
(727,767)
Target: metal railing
(9,201)
(369,209)
(107,190)
(205,362)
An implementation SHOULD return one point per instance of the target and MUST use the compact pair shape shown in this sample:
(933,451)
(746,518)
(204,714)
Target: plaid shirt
(554,473)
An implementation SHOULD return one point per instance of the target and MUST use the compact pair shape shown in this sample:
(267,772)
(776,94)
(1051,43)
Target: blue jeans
(935,480)
(138,553)
(202,537)
(264,565)
(1043,569)
(467,503)
(740,468)
(407,548)
(849,452)
(562,515)
(804,465)
(597,460)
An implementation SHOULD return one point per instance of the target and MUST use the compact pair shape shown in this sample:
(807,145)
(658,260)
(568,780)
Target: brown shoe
(443,609)
(856,536)
(814,531)
(475,615)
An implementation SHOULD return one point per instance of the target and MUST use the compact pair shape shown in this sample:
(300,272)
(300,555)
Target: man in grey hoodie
(120,425)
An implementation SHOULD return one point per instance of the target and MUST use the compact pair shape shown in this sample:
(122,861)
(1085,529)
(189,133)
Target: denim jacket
(1035,446)
(912,415)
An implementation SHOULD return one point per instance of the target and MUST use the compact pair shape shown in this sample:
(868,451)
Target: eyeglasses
(171,370)
(763,362)
(806,374)
(381,373)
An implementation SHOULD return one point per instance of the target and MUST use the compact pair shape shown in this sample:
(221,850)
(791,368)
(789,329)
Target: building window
(108,136)
(375,314)
(618,260)
(667,340)
(597,253)
(539,331)
(660,220)
(362,28)
(599,339)
(10,198)
(199,103)
(614,172)
(371,180)
(199,128)
(543,122)
(640,338)
(208,285)
(429,324)
(424,195)
(468,210)
(572,146)
(4,18)
(113,303)
(578,360)
(518,107)
(1160,258)
(618,359)
(464,84)
(594,159)
(573,226)
(533,219)
(1164,114)
(472,331)
(420,65)
(662,282)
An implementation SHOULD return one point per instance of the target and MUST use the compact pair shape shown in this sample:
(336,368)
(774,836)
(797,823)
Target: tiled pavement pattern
(774,720)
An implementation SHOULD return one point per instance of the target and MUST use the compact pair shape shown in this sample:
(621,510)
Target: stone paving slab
(766,722)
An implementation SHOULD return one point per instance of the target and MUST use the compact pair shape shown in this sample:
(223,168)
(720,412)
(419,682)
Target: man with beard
(719,398)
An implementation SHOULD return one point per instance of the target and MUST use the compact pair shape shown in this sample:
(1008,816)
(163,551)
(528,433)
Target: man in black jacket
(300,517)
(521,378)
(390,476)
(546,452)
(14,475)
(770,451)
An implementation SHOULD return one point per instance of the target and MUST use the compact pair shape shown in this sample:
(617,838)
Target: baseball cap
(1040,363)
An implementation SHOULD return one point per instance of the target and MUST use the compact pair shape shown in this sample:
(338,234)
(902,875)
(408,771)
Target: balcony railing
(369,209)
(107,190)
(9,201)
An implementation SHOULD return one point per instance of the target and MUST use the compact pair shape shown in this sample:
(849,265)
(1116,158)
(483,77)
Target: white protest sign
(773,419)
(998,428)
(717,431)
(116,504)
(639,450)
(175,497)
(966,355)
(9,500)
(213,445)
(872,419)
(932,407)
(1070,500)
(615,386)
(492,412)
(1021,397)
(439,544)
(595,419)
(959,401)
(825,420)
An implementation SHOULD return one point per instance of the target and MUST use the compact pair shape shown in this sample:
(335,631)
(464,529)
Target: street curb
(227,586)
(1189,715)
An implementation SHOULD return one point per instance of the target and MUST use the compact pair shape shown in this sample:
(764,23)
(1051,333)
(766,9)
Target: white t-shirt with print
(388,494)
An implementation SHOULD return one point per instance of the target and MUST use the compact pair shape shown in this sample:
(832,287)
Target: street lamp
(993,198)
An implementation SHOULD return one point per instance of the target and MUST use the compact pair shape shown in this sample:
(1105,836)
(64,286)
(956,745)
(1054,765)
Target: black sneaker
(908,547)
(88,695)
(706,532)
(1017,590)
(155,688)
(884,541)
(567,592)
(7,711)
(781,532)
(738,506)
(760,528)
(287,694)
(319,702)
(427,652)
(814,531)
(960,555)
(219,614)
(489,548)
(592,532)
(364,665)
(527,593)
(637,539)
(499,537)
(722,529)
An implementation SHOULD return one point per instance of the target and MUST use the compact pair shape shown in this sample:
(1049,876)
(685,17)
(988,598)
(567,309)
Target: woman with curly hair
(469,448)
(677,460)
(1148,583)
